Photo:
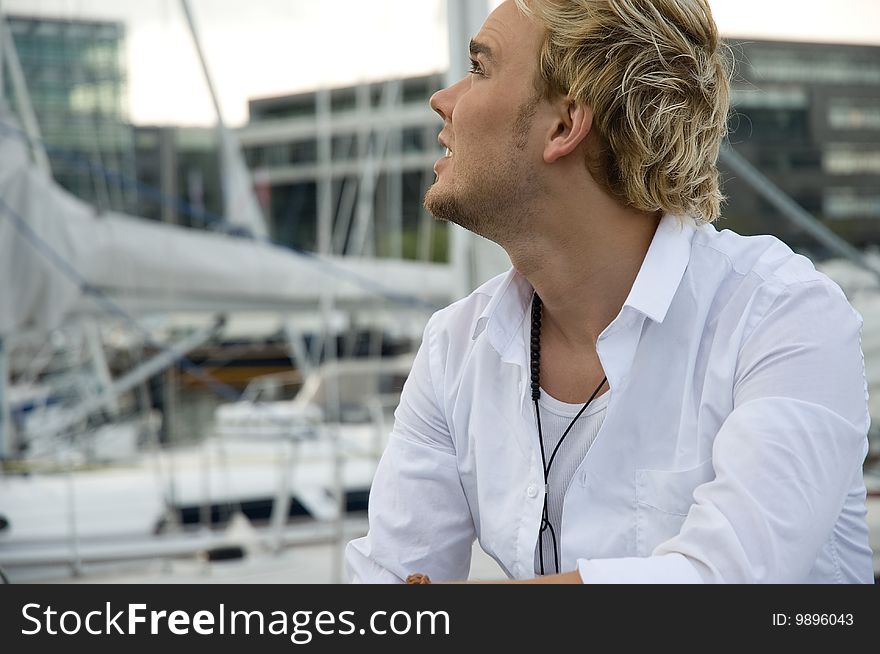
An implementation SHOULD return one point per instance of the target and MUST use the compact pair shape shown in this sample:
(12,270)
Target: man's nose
(443,101)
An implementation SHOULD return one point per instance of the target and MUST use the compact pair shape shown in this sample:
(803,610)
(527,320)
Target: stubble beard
(494,202)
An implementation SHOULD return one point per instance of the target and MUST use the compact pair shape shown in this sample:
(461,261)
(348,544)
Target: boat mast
(5,436)
(22,97)
(5,417)
(240,203)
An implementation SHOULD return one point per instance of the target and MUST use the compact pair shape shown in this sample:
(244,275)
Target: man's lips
(445,143)
(441,162)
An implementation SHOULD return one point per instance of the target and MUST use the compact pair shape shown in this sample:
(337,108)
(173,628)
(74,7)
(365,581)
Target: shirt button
(532,490)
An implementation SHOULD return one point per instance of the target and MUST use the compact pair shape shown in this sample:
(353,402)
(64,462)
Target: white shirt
(731,449)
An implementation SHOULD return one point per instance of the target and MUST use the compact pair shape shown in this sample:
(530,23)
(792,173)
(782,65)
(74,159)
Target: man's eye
(476,69)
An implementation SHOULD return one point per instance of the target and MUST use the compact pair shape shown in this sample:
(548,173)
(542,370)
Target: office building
(807,115)
(75,76)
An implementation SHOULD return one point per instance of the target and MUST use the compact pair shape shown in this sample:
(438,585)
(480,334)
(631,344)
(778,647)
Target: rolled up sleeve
(784,459)
(419,517)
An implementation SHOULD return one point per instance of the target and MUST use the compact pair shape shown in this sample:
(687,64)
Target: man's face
(487,181)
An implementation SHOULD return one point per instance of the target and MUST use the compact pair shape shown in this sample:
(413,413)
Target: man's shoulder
(762,260)
(756,276)
(462,317)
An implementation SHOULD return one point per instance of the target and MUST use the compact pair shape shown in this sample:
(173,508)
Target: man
(642,398)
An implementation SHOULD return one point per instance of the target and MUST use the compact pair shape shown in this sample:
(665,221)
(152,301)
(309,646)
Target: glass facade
(75,78)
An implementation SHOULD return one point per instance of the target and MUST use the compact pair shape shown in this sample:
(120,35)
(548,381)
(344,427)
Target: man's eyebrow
(477,48)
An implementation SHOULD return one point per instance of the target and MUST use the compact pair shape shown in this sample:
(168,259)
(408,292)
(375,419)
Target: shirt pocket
(663,499)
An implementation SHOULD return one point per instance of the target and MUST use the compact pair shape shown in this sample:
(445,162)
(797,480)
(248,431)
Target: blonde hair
(656,76)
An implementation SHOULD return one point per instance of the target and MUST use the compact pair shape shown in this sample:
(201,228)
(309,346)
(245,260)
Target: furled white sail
(54,248)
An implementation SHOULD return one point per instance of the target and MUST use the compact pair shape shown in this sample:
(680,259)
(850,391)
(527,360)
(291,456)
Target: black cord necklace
(536,396)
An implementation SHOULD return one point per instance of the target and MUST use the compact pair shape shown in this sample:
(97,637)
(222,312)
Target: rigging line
(212,220)
(221,389)
(26,231)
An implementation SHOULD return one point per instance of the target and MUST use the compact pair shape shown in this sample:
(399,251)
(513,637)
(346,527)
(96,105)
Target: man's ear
(572,125)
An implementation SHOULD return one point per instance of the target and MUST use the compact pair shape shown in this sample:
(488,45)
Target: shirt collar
(656,284)
(664,265)
(505,311)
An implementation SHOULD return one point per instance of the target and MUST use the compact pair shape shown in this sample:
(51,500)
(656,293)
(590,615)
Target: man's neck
(583,265)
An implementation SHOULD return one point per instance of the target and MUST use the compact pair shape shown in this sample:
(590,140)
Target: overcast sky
(271,47)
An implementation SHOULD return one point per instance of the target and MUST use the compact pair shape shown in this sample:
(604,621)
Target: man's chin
(447,208)
(441,205)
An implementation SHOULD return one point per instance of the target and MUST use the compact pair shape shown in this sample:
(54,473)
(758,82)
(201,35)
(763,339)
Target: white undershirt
(555,419)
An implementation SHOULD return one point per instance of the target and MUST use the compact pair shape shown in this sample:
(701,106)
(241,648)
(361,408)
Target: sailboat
(86,483)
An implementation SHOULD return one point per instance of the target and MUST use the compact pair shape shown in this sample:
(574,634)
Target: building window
(343,147)
(845,114)
(303,152)
(412,139)
(788,66)
(293,108)
(784,160)
(847,161)
(810,201)
(805,160)
(342,100)
(849,203)
(770,97)
(418,90)
(769,125)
